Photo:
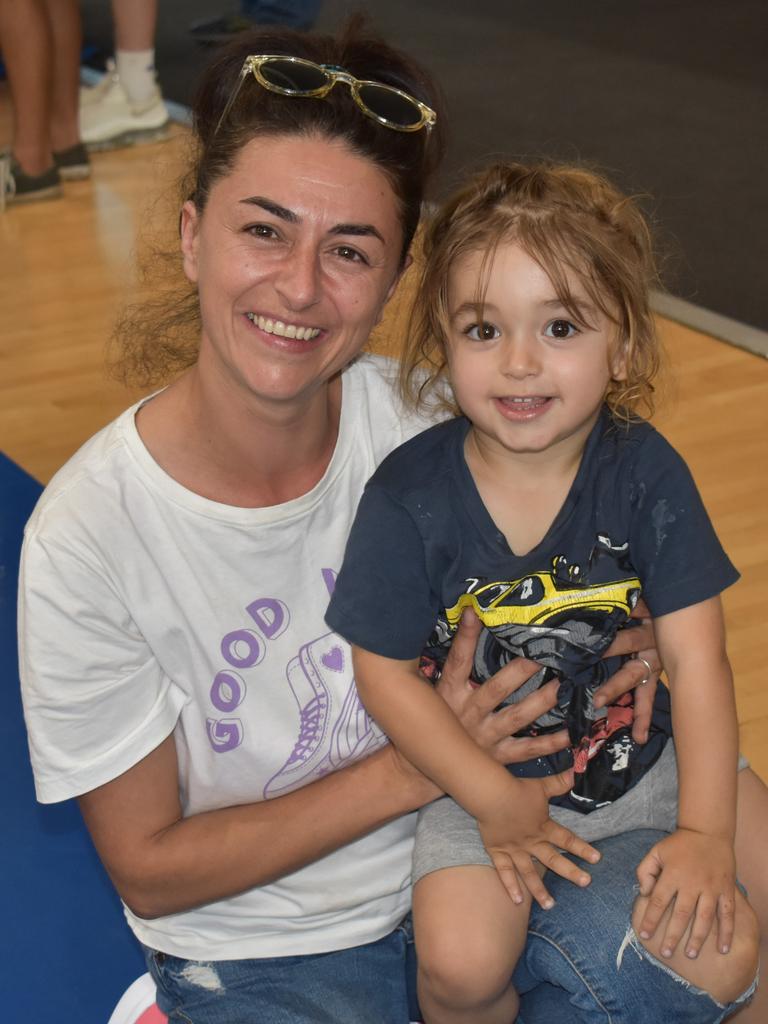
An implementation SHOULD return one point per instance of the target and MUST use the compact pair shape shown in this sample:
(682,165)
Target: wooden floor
(66,267)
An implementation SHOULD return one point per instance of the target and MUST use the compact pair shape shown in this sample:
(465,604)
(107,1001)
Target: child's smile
(523,408)
(529,377)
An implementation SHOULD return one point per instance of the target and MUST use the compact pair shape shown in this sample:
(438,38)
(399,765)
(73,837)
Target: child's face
(528,378)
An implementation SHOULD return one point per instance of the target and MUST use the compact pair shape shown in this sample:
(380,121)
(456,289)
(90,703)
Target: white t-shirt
(146,610)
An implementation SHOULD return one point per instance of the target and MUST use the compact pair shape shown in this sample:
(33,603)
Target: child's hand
(521,833)
(695,874)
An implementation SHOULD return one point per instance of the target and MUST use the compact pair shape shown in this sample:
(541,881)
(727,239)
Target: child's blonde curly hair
(571,221)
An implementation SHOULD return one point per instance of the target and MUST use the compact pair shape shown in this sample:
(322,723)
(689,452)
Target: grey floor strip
(714,324)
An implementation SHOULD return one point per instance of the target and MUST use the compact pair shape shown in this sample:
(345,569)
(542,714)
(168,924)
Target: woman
(177,670)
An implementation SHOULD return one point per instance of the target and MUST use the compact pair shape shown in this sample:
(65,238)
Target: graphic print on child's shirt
(563,618)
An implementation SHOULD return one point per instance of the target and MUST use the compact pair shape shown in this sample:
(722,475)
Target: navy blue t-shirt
(423,547)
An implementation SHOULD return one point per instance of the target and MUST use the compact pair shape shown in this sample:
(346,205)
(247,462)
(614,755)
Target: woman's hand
(640,673)
(520,836)
(475,706)
(694,873)
(493,730)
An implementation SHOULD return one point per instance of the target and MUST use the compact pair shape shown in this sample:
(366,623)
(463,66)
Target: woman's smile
(294,259)
(283,330)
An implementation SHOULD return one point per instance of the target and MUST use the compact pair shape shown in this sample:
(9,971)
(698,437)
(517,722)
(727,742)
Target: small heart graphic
(334,659)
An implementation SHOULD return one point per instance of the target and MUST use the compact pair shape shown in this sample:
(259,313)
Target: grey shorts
(447,837)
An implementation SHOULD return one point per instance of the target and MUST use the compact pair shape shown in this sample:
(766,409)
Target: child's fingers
(704,918)
(648,872)
(726,922)
(563,838)
(556,785)
(553,860)
(526,867)
(683,910)
(505,868)
(658,901)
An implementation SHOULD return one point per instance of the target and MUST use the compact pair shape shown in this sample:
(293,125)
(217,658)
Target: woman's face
(294,256)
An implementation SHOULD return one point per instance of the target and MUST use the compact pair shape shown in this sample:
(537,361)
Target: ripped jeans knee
(584,962)
(632,944)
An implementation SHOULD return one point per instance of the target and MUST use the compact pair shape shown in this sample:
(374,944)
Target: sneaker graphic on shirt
(323,669)
(355,733)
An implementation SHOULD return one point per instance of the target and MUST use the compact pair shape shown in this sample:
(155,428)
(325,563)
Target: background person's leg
(25,38)
(128,107)
(67,37)
(135,24)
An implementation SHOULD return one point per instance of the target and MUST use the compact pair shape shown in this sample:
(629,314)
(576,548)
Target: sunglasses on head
(294,76)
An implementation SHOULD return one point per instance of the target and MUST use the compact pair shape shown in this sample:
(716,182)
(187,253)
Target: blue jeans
(582,962)
(375,983)
(579,967)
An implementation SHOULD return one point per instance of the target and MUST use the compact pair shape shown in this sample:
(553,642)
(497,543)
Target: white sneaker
(110,120)
(90,94)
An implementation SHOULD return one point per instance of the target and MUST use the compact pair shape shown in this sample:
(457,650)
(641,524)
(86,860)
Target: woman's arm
(162,863)
(695,866)
(494,730)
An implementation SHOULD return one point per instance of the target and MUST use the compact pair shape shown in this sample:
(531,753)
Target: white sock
(136,71)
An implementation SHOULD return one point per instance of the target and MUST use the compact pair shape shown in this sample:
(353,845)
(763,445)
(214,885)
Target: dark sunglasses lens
(390,105)
(285,74)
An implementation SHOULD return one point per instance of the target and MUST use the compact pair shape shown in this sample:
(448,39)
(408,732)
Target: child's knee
(463,972)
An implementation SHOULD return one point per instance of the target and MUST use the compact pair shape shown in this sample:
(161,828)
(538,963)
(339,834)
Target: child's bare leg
(752,868)
(469,935)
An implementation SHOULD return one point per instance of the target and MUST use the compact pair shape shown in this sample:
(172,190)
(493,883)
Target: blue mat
(67,954)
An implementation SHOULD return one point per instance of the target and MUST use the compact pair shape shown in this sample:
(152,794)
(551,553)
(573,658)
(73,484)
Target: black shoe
(73,163)
(16,186)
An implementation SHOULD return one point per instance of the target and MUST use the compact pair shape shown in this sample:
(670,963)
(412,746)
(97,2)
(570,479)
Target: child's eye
(482,332)
(561,329)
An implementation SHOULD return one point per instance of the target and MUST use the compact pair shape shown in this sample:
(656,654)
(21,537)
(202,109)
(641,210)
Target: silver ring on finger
(648,670)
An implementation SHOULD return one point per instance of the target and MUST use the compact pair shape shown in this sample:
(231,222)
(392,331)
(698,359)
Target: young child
(547,508)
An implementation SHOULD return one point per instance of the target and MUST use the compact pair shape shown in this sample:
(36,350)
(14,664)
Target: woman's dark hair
(407,158)
(159,337)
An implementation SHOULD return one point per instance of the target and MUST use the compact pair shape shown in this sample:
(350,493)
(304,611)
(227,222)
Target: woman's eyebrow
(283,213)
(274,208)
(357,229)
